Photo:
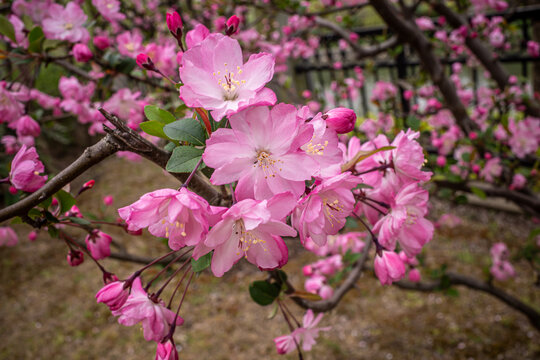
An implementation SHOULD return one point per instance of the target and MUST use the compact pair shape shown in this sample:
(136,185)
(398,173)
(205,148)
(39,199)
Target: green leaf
(478,192)
(79,221)
(35,39)
(66,200)
(184,159)
(7,29)
(152,112)
(46,203)
(53,231)
(154,128)
(16,220)
(202,263)
(187,129)
(413,122)
(50,217)
(263,292)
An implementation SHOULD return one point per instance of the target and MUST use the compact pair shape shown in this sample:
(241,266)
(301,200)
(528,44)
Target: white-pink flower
(261,151)
(66,23)
(215,77)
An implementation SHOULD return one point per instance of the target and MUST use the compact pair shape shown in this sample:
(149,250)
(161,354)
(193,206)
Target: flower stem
(185,184)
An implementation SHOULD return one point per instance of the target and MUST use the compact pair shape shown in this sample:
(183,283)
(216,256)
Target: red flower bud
(232,25)
(174,23)
(342,120)
(145,62)
(75,257)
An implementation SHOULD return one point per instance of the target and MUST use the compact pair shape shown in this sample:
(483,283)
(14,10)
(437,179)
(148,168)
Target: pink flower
(502,270)
(108,200)
(285,343)
(75,258)
(216,78)
(533,48)
(174,23)
(81,53)
(250,229)
(99,244)
(389,267)
(324,210)
(109,9)
(342,120)
(518,182)
(262,152)
(26,126)
(181,216)
(32,235)
(114,295)
(25,170)
(145,62)
(425,23)
(166,351)
(525,136)
(102,42)
(309,332)
(10,144)
(8,237)
(492,169)
(10,108)
(414,275)
(197,35)
(66,23)
(154,316)
(129,43)
(383,91)
(128,106)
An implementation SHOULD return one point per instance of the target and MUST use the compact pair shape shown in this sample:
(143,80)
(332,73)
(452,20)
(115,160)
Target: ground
(49,311)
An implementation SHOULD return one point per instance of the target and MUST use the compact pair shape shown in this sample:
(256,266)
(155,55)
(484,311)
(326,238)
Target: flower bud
(26,126)
(81,52)
(86,186)
(340,119)
(102,42)
(414,275)
(441,160)
(166,351)
(98,243)
(75,258)
(389,267)
(113,295)
(108,200)
(232,25)
(32,235)
(145,62)
(174,23)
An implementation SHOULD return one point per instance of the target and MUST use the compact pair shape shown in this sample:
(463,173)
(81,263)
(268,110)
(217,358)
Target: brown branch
(457,279)
(483,54)
(361,51)
(341,290)
(122,138)
(408,32)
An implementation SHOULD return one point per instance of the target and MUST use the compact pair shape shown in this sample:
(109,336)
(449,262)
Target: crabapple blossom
(414,275)
(98,243)
(81,53)
(286,343)
(166,351)
(261,151)
(181,216)
(324,210)
(114,295)
(66,23)
(109,9)
(216,78)
(25,170)
(251,229)
(309,330)
(197,35)
(389,267)
(75,257)
(154,316)
(8,237)
(342,120)
(26,126)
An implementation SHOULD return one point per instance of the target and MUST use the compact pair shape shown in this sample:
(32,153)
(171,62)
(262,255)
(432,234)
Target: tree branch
(408,32)
(122,138)
(341,290)
(361,51)
(457,279)
(482,53)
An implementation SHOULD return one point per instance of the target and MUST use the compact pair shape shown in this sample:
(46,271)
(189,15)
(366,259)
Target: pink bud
(102,42)
(32,235)
(174,23)
(98,243)
(473,135)
(408,94)
(476,168)
(81,52)
(232,25)
(89,184)
(389,267)
(166,351)
(12,190)
(113,295)
(488,156)
(307,270)
(441,161)
(75,257)
(414,275)
(145,62)
(26,126)
(108,200)
(326,292)
(342,120)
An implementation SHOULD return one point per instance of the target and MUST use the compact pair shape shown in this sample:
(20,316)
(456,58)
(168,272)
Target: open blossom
(26,126)
(154,316)
(129,43)
(304,335)
(216,78)
(181,216)
(8,237)
(285,344)
(525,136)
(81,53)
(127,105)
(66,23)
(261,151)
(10,108)
(109,9)
(251,229)
(324,210)
(113,295)
(25,170)
(389,267)
(383,91)
(99,244)
(492,169)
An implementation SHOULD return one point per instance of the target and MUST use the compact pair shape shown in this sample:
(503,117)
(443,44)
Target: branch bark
(341,290)
(457,279)
(482,53)
(408,32)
